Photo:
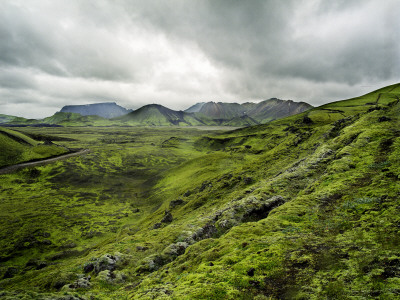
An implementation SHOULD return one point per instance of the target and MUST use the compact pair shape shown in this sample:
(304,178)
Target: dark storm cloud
(54,53)
(346,42)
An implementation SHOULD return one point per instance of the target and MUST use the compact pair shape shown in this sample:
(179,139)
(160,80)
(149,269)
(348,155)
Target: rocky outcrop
(238,211)
(167,218)
(103,268)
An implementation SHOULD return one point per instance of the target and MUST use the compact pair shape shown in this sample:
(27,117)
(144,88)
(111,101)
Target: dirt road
(16,167)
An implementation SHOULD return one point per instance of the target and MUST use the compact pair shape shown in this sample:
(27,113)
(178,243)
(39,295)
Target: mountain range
(200,114)
(261,112)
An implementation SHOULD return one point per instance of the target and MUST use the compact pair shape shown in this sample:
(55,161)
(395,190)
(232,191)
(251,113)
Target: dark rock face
(175,203)
(307,120)
(10,272)
(157,225)
(88,267)
(248,180)
(167,217)
(187,194)
(106,110)
(261,112)
(250,272)
(384,119)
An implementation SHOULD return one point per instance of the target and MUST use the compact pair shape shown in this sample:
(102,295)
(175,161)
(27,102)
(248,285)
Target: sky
(179,52)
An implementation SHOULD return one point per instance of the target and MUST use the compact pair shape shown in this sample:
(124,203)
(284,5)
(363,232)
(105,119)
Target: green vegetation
(306,207)
(158,115)
(6,118)
(74,119)
(17,147)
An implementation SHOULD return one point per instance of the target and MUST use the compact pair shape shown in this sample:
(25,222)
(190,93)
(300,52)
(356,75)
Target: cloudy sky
(179,52)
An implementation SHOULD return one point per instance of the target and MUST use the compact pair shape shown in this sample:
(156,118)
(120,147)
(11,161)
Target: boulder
(106,262)
(80,283)
(89,267)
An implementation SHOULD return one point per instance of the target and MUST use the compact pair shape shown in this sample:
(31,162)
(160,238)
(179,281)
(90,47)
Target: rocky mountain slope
(195,108)
(261,112)
(274,109)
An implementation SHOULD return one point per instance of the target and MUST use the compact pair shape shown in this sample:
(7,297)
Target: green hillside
(340,109)
(20,121)
(158,115)
(16,147)
(305,207)
(6,118)
(74,119)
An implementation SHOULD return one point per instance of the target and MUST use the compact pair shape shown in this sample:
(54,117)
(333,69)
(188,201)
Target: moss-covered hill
(303,208)
(16,147)
(158,115)
(306,207)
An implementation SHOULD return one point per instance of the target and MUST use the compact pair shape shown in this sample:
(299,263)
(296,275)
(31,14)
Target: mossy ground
(51,216)
(333,234)
(16,147)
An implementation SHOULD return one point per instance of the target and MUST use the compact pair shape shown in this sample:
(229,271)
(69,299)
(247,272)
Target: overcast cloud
(176,53)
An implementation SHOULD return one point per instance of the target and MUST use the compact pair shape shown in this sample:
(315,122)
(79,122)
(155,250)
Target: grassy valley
(305,207)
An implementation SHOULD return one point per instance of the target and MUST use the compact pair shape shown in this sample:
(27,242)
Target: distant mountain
(6,118)
(221,110)
(106,110)
(273,109)
(238,121)
(261,112)
(158,115)
(200,114)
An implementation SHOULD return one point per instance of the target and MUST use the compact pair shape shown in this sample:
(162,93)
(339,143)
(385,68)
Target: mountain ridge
(106,110)
(200,114)
(261,112)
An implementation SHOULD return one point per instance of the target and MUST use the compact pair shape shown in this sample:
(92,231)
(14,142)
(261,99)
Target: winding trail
(16,167)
